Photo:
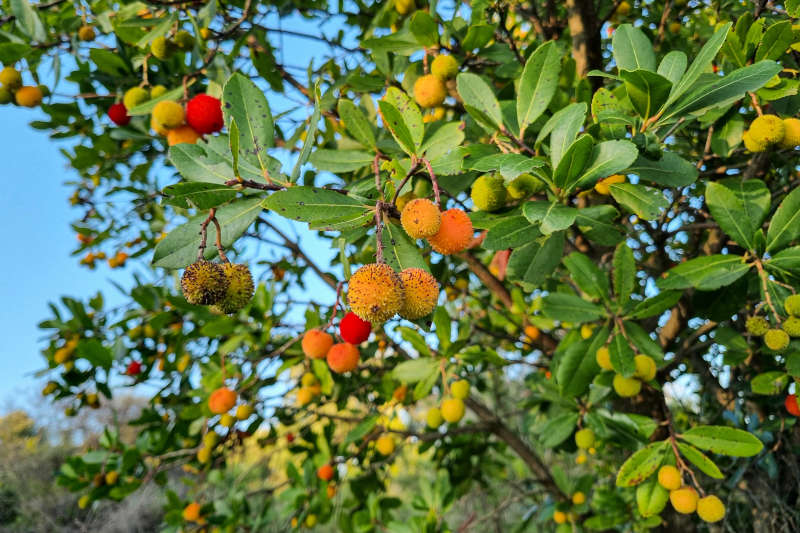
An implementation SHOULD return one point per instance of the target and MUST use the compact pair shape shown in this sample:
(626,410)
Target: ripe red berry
(118,114)
(791,405)
(354,330)
(290,437)
(204,114)
(134,367)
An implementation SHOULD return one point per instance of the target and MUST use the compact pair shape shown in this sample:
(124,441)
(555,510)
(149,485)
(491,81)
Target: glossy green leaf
(621,355)
(551,217)
(570,308)
(624,273)
(198,194)
(538,84)
(724,440)
(739,207)
(647,90)
(533,262)
(785,224)
(356,123)
(587,275)
(705,273)
(632,49)
(645,202)
(642,464)
(479,100)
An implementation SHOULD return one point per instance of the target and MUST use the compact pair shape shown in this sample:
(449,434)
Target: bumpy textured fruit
(240,288)
(421,218)
(603,186)
(766,130)
(776,339)
(792,305)
(204,114)
(524,186)
(452,410)
(455,233)
(221,400)
(645,367)
(429,91)
(584,438)
(488,193)
(434,417)
(135,96)
(460,389)
(578,498)
(626,387)
(375,293)
(11,78)
(316,343)
(444,66)
(752,145)
(710,509)
(421,293)
(191,513)
(86,33)
(6,96)
(168,113)
(404,7)
(325,472)
(182,135)
(204,283)
(791,405)
(343,357)
(385,445)
(157,90)
(161,48)
(684,500)
(757,325)
(792,326)
(184,40)
(118,114)
(354,330)
(28,96)
(603,358)
(791,133)
(669,477)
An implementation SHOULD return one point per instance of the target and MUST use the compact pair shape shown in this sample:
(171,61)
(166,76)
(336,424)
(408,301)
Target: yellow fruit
(169,114)
(429,91)
(183,363)
(751,145)
(316,343)
(227,420)
(669,477)
(29,96)
(404,7)
(304,396)
(205,33)
(156,91)
(452,410)
(623,8)
(385,445)
(204,283)
(586,331)
(11,78)
(581,458)
(135,96)
(111,477)
(767,130)
(50,388)
(421,218)
(311,521)
(776,339)
(489,193)
(158,128)
(675,27)
(559,517)
(437,114)
(578,498)
(455,233)
(210,439)
(603,358)
(434,417)
(244,411)
(182,135)
(460,389)
(308,380)
(203,455)
(161,48)
(626,387)
(791,133)
(240,288)
(584,438)
(86,33)
(191,513)
(602,186)
(684,500)
(792,304)
(710,509)
(375,293)
(645,367)
(757,325)
(444,66)
(421,293)
(84,501)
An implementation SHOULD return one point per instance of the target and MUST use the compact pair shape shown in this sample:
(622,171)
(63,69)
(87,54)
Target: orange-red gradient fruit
(316,343)
(325,472)
(221,400)
(343,357)
(455,233)
(421,218)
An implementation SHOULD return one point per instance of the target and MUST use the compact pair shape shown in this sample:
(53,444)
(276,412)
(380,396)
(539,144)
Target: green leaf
(93,351)
(363,429)
(479,100)
(317,206)
(578,366)
(310,140)
(401,42)
(586,275)
(400,251)
(769,383)
(724,440)
(563,128)
(651,498)
(244,102)
(412,116)
(700,64)
(424,29)
(341,160)
(670,171)
(673,65)
(112,64)
(356,123)
(785,263)
(632,49)
(646,202)
(212,162)
(538,84)
(608,157)
(621,355)
(179,247)
(785,224)
(323,373)
(573,162)
(557,429)
(570,308)
(533,262)
(509,165)
(646,90)
(552,217)
(415,370)
(511,232)
(776,41)
(706,273)
(655,305)
(642,341)
(10,53)
(739,207)
(478,35)
(442,140)
(198,194)
(624,273)
(396,124)
(700,460)
(28,20)
(641,465)
(596,222)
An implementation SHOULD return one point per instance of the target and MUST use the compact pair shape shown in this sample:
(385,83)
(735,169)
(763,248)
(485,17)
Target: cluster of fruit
(767,131)
(12,90)
(221,402)
(684,498)
(448,233)
(451,410)
(626,387)
(777,338)
(341,357)
(227,287)
(490,193)
(430,90)
(163,47)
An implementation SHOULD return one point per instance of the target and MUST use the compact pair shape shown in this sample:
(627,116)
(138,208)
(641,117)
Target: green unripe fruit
(240,288)
(651,498)
(488,193)
(776,339)
(524,186)
(135,96)
(157,91)
(792,305)
(184,40)
(757,325)
(584,438)
(434,417)
(444,67)
(626,387)
(161,48)
(204,283)
(792,326)
(10,78)
(6,96)
(460,389)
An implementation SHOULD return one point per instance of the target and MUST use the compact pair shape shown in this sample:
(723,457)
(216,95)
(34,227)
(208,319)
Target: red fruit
(290,437)
(325,472)
(354,330)
(791,405)
(204,114)
(134,367)
(118,114)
